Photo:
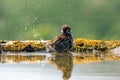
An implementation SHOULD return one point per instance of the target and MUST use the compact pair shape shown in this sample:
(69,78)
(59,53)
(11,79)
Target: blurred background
(42,19)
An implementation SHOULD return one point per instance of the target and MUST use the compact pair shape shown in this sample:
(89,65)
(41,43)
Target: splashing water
(35,35)
(25,28)
(35,19)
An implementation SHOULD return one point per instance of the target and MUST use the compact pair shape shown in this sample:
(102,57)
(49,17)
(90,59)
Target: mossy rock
(80,45)
(20,45)
(84,44)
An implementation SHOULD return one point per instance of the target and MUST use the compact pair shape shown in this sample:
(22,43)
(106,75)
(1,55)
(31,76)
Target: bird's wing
(57,39)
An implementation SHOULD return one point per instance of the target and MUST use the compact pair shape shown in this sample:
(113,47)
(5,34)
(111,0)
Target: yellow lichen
(19,45)
(80,45)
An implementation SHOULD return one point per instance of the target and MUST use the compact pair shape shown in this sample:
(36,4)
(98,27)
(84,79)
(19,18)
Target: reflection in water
(94,57)
(63,62)
(22,57)
(80,58)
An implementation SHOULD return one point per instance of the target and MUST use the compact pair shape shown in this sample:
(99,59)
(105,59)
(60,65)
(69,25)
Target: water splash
(25,28)
(35,18)
(35,35)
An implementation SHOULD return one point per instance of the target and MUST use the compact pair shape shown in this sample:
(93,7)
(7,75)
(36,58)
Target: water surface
(44,66)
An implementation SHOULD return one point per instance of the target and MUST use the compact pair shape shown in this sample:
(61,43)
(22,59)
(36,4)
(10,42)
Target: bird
(64,41)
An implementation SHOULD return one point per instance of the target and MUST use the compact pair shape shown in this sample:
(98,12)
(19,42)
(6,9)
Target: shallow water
(44,66)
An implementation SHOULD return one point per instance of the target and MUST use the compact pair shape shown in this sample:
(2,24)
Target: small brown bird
(64,41)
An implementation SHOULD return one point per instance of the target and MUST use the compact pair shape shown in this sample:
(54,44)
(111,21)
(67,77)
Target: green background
(42,19)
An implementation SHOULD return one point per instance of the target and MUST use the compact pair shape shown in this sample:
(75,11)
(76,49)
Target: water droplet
(35,19)
(25,28)
(36,34)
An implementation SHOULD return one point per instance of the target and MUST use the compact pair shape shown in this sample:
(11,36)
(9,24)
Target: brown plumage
(64,41)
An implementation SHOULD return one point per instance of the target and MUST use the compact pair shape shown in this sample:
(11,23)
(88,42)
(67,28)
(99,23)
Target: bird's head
(65,29)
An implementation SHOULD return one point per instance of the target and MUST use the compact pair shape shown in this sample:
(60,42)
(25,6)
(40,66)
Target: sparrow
(64,41)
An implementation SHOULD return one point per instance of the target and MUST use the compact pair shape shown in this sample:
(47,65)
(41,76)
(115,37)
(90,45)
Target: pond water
(45,66)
